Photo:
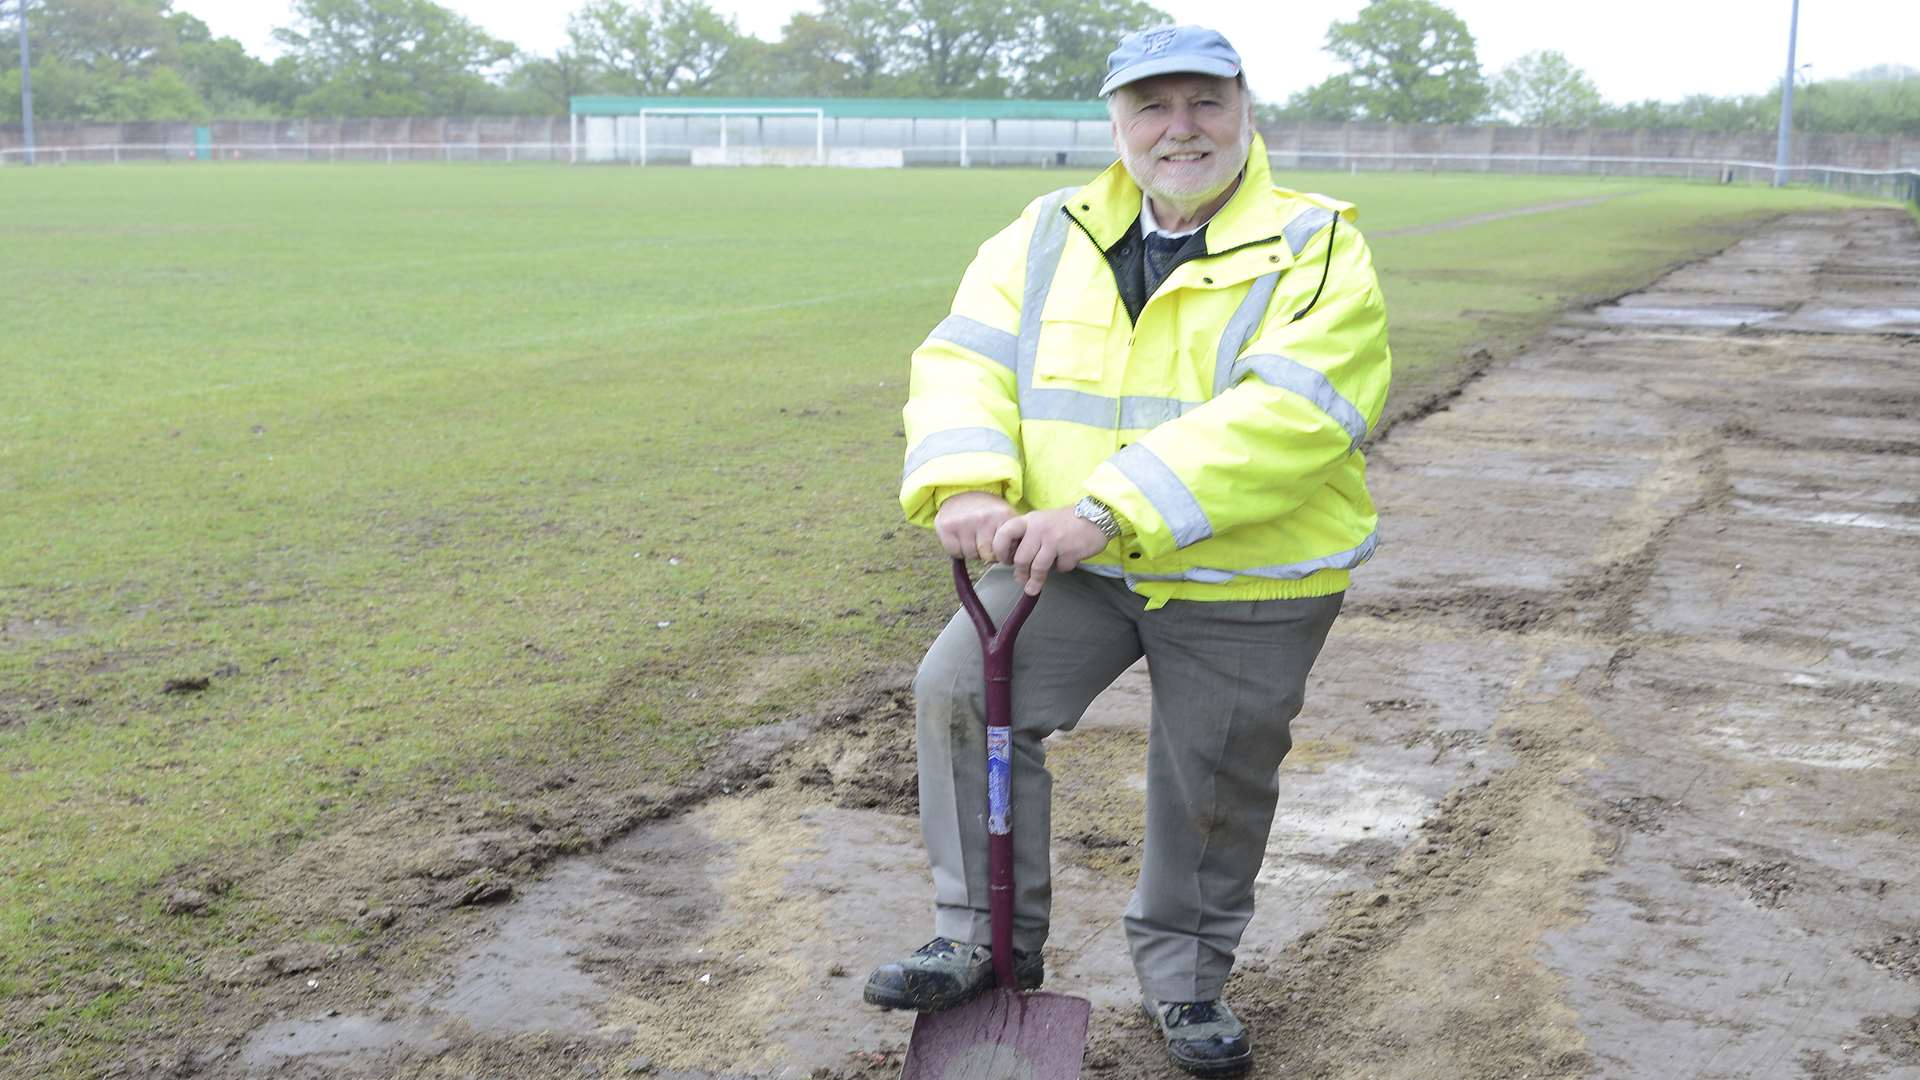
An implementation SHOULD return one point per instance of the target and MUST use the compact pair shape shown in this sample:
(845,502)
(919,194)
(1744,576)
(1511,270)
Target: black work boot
(1203,1037)
(944,973)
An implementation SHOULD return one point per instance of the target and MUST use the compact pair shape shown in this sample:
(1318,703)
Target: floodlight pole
(26,87)
(1783,156)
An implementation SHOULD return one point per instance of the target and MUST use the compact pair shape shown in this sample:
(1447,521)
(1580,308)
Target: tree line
(142,60)
(1407,61)
(1414,61)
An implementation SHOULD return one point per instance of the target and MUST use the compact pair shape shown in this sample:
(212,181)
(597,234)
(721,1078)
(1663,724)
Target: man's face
(1183,138)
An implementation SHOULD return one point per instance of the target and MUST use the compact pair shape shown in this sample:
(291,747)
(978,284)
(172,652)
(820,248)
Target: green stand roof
(861,108)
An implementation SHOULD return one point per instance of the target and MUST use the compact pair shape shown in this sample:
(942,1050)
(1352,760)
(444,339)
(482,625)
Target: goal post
(819,116)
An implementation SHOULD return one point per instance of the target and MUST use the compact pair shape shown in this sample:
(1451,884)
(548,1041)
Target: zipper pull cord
(1324,268)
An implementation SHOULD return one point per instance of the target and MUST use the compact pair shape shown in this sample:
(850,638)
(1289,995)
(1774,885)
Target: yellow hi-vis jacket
(1223,426)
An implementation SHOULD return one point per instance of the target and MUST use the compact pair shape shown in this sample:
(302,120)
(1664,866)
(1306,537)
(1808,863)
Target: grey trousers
(1228,679)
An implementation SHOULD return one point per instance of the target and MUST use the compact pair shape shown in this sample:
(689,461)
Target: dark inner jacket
(1141,264)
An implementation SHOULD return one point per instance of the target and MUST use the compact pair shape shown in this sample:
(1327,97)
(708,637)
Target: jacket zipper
(1133,324)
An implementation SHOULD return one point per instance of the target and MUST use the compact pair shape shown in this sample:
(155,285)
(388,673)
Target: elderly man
(1149,398)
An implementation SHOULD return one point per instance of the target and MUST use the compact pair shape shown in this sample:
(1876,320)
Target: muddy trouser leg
(1228,679)
(1079,638)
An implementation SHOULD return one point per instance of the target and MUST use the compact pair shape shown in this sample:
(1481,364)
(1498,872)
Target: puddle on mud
(337,1041)
(523,977)
(1717,317)
(1863,521)
(1824,319)
(1830,741)
(1859,320)
(1322,816)
(1852,519)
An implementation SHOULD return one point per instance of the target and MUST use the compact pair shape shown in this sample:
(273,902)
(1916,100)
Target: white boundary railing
(390,153)
(1893,183)
(1887,183)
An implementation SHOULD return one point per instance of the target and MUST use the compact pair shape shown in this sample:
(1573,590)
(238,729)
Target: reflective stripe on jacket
(1223,425)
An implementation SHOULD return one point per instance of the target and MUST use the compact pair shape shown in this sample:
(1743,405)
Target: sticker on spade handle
(999,774)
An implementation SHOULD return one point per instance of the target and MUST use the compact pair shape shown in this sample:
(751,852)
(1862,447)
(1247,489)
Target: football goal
(735,136)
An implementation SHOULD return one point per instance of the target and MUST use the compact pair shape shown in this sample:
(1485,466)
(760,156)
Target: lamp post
(26,85)
(1783,155)
(1804,76)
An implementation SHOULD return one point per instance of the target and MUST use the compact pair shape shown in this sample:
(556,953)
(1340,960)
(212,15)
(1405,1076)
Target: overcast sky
(1632,49)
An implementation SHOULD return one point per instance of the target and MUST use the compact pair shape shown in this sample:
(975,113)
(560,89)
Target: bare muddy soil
(1608,770)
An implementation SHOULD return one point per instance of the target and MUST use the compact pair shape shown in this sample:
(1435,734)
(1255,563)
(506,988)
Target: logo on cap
(1158,42)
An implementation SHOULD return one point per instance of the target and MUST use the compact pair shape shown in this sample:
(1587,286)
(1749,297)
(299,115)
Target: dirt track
(1608,771)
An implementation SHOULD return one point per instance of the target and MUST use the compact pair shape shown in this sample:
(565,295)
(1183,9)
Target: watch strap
(1100,515)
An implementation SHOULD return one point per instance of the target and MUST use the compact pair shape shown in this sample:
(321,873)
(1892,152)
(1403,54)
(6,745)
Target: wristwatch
(1100,514)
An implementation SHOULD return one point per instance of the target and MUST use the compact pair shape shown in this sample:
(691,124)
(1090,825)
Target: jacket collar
(1110,205)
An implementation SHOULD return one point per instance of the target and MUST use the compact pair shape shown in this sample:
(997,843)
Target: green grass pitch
(441,474)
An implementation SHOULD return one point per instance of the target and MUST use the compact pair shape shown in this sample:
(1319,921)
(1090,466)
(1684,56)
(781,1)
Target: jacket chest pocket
(1077,337)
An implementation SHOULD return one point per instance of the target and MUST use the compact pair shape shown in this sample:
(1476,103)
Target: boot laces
(1184,1013)
(938,947)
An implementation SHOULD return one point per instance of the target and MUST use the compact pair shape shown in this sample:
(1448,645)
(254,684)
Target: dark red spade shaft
(996,646)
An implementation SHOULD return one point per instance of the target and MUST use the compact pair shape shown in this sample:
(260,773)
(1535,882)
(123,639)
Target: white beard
(1189,192)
